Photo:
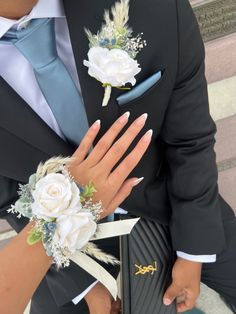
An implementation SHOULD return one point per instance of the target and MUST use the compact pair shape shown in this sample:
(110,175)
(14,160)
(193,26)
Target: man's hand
(100,301)
(185,285)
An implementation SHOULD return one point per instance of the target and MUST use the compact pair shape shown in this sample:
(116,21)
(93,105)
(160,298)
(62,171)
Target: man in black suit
(180,186)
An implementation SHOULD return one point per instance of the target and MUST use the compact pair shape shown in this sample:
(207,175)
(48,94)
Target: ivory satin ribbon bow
(106,230)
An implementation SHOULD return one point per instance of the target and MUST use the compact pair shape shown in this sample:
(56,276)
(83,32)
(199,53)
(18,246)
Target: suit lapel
(89,14)
(19,119)
(32,136)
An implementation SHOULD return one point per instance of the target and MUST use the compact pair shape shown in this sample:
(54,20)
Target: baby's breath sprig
(115,32)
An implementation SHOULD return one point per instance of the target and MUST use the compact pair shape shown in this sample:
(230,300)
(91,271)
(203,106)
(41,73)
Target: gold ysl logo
(143,270)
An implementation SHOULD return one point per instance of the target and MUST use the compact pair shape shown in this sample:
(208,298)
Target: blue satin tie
(38,45)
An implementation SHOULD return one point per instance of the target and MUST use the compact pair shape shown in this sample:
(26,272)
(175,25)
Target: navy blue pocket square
(139,89)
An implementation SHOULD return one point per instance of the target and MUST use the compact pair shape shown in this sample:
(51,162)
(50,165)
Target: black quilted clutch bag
(147,260)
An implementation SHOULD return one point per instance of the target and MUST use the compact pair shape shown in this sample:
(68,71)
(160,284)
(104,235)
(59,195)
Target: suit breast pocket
(140,89)
(153,100)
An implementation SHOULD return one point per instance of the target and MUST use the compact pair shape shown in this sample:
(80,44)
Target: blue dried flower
(113,41)
(104,42)
(50,226)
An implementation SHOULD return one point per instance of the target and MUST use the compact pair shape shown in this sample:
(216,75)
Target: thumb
(171,294)
(116,307)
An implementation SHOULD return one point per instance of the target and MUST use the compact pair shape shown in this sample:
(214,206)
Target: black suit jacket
(180,186)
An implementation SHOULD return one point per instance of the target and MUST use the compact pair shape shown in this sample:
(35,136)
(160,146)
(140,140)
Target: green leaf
(123,88)
(88,191)
(34,237)
(115,46)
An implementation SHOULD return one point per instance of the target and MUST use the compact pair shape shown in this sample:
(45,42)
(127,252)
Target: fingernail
(96,125)
(148,136)
(141,120)
(167,302)
(136,182)
(124,118)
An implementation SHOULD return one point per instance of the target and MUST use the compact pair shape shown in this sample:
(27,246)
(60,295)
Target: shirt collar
(43,9)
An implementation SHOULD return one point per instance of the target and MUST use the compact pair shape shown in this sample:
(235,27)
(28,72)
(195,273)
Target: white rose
(74,231)
(55,195)
(114,67)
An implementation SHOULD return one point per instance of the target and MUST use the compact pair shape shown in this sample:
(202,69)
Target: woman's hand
(102,165)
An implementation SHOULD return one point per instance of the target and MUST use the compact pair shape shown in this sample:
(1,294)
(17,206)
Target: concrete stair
(6,233)
(221,58)
(226,157)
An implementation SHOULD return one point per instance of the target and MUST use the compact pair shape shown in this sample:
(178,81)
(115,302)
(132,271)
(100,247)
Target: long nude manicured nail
(141,120)
(136,182)
(167,301)
(124,118)
(148,136)
(96,125)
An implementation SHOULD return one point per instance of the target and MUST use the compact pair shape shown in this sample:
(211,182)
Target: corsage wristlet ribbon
(66,220)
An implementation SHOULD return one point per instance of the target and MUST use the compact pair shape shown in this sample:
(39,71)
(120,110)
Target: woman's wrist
(38,249)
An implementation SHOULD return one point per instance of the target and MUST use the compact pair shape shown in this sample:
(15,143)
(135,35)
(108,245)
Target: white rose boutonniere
(113,50)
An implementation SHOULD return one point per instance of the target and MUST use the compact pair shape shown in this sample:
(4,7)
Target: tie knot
(36,42)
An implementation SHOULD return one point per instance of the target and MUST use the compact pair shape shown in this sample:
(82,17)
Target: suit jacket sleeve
(188,132)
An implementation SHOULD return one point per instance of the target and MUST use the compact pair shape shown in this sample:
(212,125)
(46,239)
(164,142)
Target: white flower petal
(55,195)
(114,67)
(74,231)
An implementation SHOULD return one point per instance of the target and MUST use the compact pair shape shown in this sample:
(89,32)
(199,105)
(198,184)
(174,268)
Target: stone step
(226,139)
(226,158)
(217,21)
(196,3)
(211,303)
(221,58)
(6,233)
(216,18)
(4,226)
(222,98)
(227,186)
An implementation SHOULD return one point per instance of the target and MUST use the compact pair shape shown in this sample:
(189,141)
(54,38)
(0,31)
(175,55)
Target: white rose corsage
(66,220)
(64,215)
(113,50)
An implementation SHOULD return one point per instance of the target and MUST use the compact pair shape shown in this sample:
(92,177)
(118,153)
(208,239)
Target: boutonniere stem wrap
(113,51)
(66,220)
